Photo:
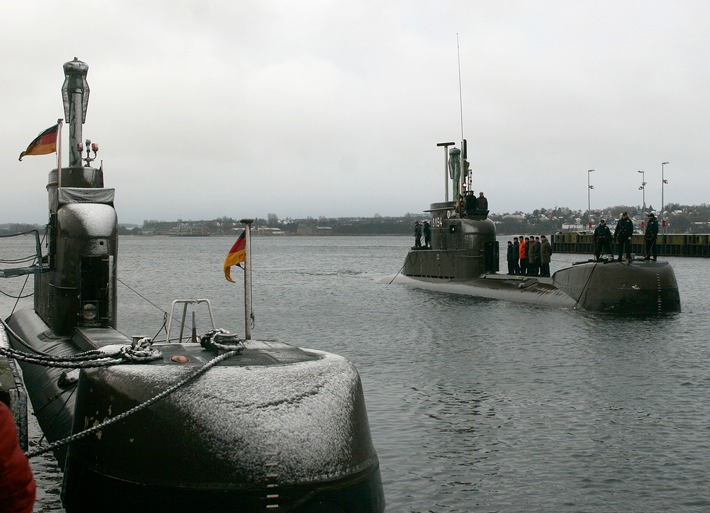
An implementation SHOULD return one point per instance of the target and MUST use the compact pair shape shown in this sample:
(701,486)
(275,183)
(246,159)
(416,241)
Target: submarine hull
(464,259)
(537,291)
(273,426)
(639,287)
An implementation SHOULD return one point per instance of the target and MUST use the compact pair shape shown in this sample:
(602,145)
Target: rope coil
(139,351)
(221,339)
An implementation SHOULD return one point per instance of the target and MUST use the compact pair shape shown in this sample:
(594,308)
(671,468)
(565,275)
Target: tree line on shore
(680,219)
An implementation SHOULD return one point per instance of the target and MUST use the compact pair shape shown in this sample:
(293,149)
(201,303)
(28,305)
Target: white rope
(216,338)
(139,351)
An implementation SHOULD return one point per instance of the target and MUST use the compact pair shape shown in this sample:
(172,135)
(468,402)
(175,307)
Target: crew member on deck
(427,235)
(602,239)
(417,235)
(533,257)
(470,207)
(516,249)
(482,203)
(523,255)
(622,235)
(650,237)
(511,257)
(545,256)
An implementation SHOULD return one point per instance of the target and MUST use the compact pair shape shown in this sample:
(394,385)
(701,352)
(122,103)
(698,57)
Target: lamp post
(589,199)
(643,190)
(663,206)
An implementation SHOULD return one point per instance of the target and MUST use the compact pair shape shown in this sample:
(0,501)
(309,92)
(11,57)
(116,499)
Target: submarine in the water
(219,424)
(463,258)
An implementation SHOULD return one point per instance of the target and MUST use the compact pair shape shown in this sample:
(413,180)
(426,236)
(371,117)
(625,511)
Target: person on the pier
(622,235)
(650,237)
(602,240)
(516,250)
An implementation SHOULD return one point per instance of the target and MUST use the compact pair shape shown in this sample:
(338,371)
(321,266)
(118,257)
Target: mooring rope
(139,294)
(83,434)
(401,268)
(139,351)
(586,285)
(12,296)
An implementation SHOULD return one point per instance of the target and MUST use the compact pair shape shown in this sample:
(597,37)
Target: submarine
(213,423)
(463,258)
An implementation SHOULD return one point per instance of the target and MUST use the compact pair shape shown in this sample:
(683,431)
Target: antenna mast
(465,169)
(458,55)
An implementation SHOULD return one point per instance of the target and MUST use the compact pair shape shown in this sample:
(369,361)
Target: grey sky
(309,108)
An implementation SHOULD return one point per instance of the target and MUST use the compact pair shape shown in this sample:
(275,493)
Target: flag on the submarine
(236,255)
(44,143)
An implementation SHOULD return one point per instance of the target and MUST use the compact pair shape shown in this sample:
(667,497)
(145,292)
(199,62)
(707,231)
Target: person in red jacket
(523,254)
(17,486)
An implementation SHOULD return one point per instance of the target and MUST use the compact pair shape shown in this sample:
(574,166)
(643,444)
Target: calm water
(474,405)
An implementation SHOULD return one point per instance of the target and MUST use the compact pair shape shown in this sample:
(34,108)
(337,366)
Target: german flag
(44,143)
(236,255)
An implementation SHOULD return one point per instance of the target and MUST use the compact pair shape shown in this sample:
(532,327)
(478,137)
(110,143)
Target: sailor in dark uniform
(482,203)
(650,237)
(622,235)
(427,235)
(470,204)
(602,239)
(511,257)
(417,235)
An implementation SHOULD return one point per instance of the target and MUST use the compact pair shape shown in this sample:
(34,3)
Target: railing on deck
(684,245)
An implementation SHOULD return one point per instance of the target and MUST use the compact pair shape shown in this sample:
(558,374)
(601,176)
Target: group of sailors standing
(529,256)
(622,237)
(419,230)
(470,205)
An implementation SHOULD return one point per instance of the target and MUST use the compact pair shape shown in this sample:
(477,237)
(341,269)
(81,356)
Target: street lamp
(589,199)
(643,189)
(663,205)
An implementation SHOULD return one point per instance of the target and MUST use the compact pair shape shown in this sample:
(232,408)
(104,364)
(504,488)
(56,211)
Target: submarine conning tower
(461,247)
(80,287)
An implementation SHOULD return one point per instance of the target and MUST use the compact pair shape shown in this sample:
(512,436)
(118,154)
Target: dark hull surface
(642,287)
(274,425)
(464,259)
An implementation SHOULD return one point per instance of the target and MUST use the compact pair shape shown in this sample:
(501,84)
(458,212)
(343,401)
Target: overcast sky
(333,108)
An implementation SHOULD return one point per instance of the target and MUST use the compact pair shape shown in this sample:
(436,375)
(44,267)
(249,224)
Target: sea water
(474,404)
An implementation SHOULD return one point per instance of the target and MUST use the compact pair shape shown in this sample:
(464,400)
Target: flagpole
(60,123)
(247,279)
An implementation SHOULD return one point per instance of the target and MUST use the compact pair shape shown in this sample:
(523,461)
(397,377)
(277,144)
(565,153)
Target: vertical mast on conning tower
(75,96)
